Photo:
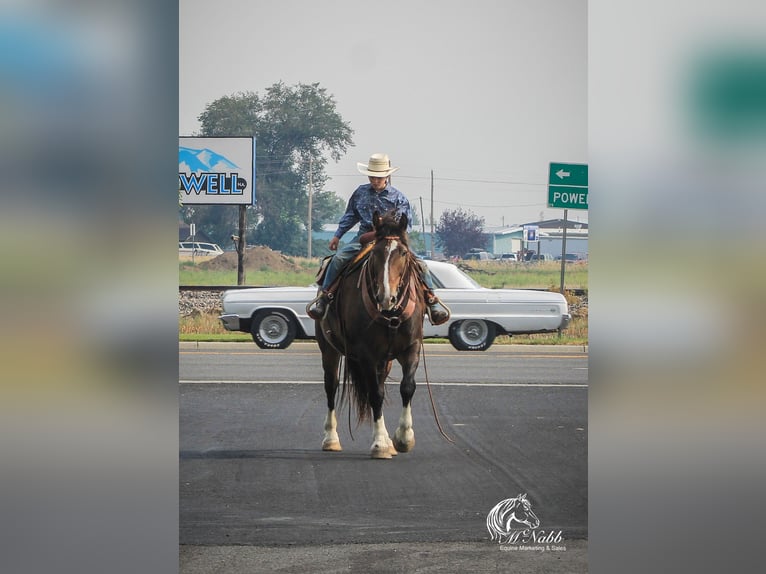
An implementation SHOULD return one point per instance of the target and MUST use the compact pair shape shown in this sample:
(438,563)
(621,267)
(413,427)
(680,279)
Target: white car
(198,248)
(275,316)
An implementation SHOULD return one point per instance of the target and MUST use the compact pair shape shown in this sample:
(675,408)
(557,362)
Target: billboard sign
(216,171)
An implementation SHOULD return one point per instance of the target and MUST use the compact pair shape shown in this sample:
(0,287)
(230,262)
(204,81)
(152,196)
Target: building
(510,239)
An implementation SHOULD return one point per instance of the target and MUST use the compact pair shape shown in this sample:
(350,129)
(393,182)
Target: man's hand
(334,243)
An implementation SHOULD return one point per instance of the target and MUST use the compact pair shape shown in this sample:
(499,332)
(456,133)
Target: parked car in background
(508,257)
(541,257)
(275,316)
(198,248)
(570,257)
(478,256)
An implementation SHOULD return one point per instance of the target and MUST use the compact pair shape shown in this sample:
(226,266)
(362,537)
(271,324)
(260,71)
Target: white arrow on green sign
(568,185)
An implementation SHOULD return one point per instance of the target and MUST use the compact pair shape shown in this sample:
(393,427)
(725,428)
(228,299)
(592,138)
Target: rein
(431,396)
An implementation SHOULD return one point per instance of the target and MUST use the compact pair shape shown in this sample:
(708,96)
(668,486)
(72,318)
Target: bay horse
(376,316)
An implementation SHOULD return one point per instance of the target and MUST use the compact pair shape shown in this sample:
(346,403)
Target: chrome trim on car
(230,322)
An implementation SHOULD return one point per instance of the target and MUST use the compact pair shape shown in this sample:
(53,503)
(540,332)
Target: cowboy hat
(378,166)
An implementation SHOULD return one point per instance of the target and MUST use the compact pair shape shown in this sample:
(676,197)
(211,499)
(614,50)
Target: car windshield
(448,276)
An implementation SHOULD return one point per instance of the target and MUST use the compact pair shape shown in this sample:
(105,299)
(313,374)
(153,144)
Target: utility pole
(423,220)
(311,166)
(432,214)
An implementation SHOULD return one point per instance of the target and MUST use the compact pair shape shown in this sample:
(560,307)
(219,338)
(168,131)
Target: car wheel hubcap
(273,329)
(474,331)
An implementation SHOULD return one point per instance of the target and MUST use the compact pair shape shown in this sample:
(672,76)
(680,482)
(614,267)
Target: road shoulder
(474,557)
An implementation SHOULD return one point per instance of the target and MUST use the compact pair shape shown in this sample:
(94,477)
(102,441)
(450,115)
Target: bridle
(406,293)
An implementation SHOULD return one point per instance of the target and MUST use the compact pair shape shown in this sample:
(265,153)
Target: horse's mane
(392,224)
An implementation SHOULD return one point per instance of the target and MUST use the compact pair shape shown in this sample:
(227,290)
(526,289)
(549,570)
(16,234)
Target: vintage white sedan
(275,316)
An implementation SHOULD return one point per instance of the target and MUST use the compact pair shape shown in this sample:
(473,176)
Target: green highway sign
(568,185)
(568,174)
(567,197)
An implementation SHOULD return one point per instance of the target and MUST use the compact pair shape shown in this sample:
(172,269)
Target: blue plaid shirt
(365,201)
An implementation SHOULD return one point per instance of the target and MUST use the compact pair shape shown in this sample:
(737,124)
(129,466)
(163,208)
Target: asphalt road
(257,494)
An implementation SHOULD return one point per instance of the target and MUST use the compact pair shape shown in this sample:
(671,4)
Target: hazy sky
(485,93)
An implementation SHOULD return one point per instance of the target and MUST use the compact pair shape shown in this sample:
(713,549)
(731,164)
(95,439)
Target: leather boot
(318,307)
(437,312)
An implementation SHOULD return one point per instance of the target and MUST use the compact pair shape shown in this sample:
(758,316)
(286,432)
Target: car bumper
(565,319)
(230,322)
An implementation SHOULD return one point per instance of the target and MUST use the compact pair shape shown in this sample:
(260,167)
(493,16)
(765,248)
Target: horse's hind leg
(330,363)
(404,437)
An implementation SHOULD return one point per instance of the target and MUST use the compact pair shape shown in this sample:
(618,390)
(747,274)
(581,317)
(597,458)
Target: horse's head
(522,512)
(390,259)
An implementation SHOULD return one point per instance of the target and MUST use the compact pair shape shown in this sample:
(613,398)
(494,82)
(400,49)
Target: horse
(376,316)
(505,512)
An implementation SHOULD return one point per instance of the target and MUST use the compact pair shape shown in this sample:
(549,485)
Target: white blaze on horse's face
(388,299)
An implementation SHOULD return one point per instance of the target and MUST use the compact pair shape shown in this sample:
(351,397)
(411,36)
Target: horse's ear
(403,222)
(376,219)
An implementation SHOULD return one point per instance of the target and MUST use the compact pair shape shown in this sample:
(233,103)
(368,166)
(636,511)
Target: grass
(538,275)
(191,274)
(492,274)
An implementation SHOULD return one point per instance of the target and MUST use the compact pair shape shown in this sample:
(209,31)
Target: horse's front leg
(404,437)
(382,446)
(330,363)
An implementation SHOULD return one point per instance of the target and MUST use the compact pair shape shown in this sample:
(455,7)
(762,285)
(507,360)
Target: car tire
(472,335)
(273,329)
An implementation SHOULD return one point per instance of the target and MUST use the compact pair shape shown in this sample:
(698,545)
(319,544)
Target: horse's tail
(359,391)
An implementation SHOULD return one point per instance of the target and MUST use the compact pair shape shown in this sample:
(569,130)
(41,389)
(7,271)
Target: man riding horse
(377,195)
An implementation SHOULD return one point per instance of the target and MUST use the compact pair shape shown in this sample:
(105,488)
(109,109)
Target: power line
(490,205)
(490,181)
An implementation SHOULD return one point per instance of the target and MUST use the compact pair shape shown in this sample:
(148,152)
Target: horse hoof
(381,452)
(402,446)
(332,445)
(391,448)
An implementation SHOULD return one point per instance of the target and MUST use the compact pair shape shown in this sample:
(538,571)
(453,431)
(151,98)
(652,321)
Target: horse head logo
(501,518)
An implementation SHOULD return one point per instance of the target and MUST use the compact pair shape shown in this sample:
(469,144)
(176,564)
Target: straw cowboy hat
(378,166)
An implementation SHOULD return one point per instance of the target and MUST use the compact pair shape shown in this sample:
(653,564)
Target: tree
(295,129)
(459,230)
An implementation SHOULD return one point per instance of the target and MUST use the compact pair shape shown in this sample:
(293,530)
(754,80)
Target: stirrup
(317,308)
(432,309)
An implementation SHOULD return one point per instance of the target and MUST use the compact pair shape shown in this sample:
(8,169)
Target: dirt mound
(256,257)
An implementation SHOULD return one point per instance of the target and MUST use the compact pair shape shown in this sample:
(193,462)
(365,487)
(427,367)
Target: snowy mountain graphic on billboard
(204,160)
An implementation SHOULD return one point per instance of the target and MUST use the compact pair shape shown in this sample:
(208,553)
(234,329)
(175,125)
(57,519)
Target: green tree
(459,230)
(296,128)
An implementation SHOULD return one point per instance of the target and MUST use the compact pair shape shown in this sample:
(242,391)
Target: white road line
(240,382)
